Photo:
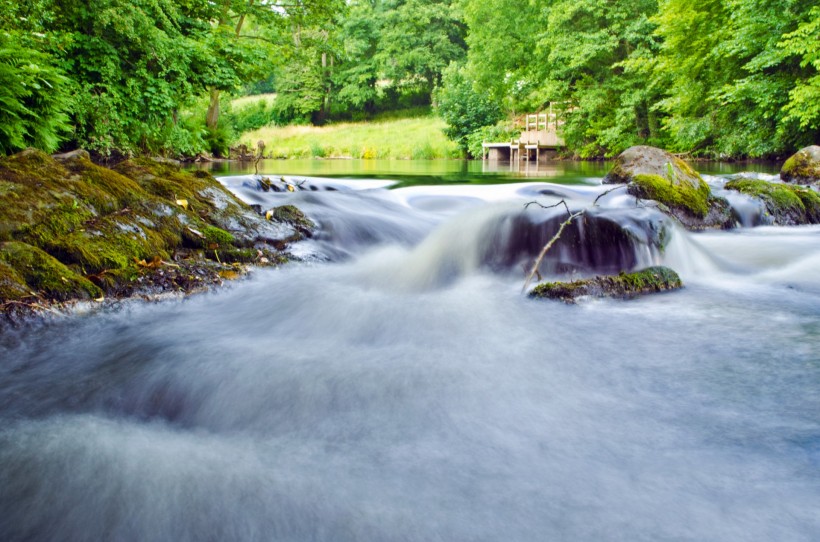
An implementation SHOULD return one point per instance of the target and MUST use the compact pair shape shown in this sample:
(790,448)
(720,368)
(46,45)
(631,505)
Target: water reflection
(425,172)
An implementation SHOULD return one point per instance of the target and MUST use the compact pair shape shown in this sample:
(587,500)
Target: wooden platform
(540,140)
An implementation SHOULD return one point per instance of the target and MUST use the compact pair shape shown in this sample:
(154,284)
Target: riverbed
(395,385)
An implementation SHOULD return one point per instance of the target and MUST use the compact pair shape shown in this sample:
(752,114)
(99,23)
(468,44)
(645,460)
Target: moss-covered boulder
(71,229)
(622,286)
(786,205)
(803,167)
(655,174)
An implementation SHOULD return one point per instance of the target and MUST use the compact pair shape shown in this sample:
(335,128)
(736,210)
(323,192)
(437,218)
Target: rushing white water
(408,391)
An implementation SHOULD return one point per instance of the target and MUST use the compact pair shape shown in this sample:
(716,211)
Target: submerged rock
(803,167)
(599,241)
(623,286)
(655,174)
(786,205)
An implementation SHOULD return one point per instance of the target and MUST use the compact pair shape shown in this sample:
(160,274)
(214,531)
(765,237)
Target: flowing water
(396,385)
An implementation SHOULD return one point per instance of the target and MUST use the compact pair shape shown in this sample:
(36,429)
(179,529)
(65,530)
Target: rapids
(396,385)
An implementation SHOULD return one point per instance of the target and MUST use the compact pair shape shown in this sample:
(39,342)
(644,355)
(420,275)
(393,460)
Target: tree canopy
(718,78)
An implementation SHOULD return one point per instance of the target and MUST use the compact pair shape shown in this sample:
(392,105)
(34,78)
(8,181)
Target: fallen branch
(572,216)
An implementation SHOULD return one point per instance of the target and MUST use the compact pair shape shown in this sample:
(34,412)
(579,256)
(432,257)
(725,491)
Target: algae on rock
(623,285)
(803,167)
(71,229)
(787,205)
(655,174)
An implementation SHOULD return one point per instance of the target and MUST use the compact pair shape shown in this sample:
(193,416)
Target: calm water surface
(392,386)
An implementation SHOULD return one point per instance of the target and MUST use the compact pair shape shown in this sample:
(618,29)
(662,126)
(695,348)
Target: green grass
(396,138)
(246,101)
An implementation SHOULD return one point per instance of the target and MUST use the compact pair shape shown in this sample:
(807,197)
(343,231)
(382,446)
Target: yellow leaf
(182,203)
(290,188)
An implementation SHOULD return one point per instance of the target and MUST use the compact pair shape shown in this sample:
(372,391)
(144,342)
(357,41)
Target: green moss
(45,274)
(293,216)
(13,287)
(216,236)
(802,167)
(787,203)
(682,195)
(624,285)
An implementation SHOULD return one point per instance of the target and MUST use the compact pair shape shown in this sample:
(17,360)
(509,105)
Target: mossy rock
(293,216)
(120,228)
(13,286)
(788,205)
(803,167)
(44,274)
(655,174)
(623,286)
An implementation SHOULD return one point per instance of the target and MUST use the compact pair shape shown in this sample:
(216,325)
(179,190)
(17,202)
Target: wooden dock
(539,141)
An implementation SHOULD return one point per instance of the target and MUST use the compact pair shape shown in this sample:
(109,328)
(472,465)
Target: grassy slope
(420,138)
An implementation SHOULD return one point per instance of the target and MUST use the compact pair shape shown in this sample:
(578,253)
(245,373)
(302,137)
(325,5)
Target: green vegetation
(787,204)
(719,78)
(624,285)
(402,139)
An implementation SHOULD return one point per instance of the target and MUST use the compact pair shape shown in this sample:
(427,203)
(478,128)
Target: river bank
(73,231)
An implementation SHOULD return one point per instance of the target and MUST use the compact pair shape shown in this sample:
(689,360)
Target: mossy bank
(73,230)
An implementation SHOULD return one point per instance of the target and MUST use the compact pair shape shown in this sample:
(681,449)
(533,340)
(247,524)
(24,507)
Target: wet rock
(786,204)
(293,216)
(599,241)
(621,286)
(71,229)
(803,167)
(655,174)
(71,155)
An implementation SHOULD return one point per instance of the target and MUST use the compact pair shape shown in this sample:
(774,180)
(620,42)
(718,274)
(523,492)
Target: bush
(34,97)
(463,109)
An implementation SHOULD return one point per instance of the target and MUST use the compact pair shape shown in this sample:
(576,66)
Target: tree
(463,108)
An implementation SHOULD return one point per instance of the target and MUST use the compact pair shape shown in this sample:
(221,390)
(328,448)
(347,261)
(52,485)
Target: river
(396,385)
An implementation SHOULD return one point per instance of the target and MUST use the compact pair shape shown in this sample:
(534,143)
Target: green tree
(464,109)
(419,39)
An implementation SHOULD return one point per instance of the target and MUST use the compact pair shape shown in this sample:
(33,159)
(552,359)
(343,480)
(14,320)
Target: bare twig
(604,193)
(572,216)
(564,224)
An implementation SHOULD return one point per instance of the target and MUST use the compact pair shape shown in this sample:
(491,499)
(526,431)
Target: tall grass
(396,138)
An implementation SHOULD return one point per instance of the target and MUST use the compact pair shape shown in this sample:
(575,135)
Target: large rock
(803,167)
(599,241)
(655,174)
(786,205)
(71,229)
(623,285)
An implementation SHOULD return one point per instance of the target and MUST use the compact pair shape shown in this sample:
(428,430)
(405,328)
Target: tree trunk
(212,116)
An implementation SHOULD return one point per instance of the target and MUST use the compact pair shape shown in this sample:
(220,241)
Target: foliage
(463,108)
(502,131)
(33,97)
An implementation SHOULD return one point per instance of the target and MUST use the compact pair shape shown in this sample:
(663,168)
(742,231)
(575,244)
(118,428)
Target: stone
(655,174)
(803,167)
(621,286)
